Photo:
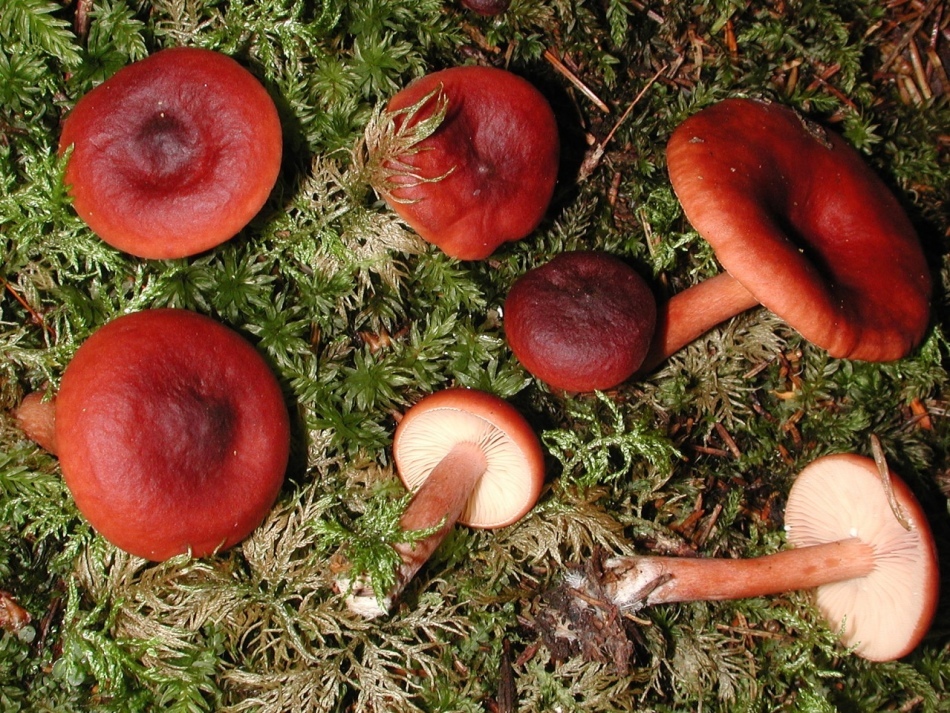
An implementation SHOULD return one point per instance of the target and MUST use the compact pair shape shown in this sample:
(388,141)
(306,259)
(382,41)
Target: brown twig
(81,19)
(556,62)
(592,160)
(35,316)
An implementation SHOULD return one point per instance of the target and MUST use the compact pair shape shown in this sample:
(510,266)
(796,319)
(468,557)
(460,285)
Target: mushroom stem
(693,312)
(438,503)
(36,416)
(634,582)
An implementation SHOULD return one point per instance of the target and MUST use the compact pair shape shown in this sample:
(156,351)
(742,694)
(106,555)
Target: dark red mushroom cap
(800,220)
(487,8)
(173,154)
(580,322)
(488,171)
(172,434)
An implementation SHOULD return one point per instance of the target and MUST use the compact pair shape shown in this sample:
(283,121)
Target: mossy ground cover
(359,319)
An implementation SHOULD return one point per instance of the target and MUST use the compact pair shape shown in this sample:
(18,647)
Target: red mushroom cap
(173,154)
(514,461)
(488,171)
(799,219)
(885,614)
(580,322)
(487,8)
(172,434)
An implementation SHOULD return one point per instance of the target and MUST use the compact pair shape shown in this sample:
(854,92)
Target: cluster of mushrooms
(163,412)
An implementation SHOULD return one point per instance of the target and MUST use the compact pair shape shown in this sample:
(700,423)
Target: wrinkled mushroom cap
(885,614)
(581,321)
(799,219)
(172,434)
(514,474)
(173,154)
(487,174)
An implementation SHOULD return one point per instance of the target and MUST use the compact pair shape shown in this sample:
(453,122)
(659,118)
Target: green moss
(359,318)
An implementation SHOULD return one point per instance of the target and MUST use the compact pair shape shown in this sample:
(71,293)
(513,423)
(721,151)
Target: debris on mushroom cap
(487,174)
(885,614)
(580,322)
(795,215)
(173,154)
(514,473)
(172,432)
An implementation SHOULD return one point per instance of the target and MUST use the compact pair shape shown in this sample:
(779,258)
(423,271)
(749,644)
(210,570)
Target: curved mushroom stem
(36,416)
(635,582)
(692,313)
(437,503)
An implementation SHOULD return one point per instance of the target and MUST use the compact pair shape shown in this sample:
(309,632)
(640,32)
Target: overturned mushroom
(469,457)
(172,433)
(173,154)
(874,570)
(801,225)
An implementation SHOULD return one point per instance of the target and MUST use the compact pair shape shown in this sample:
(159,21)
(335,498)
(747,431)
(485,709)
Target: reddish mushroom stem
(469,457)
(693,312)
(638,581)
(36,416)
(438,503)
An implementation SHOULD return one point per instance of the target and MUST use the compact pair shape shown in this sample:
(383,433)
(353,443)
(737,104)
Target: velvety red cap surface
(498,150)
(173,154)
(172,433)
(582,321)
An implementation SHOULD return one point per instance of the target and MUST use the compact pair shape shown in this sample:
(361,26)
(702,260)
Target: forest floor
(359,318)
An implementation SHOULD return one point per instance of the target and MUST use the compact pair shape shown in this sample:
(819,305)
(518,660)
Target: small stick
(728,440)
(81,18)
(34,315)
(921,415)
(919,72)
(593,159)
(575,80)
(880,460)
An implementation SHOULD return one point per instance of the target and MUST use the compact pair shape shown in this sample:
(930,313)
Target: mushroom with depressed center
(487,173)
(173,154)
(871,560)
(801,225)
(468,457)
(171,431)
(580,322)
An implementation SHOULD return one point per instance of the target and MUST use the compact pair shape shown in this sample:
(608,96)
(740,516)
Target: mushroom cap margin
(885,614)
(514,475)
